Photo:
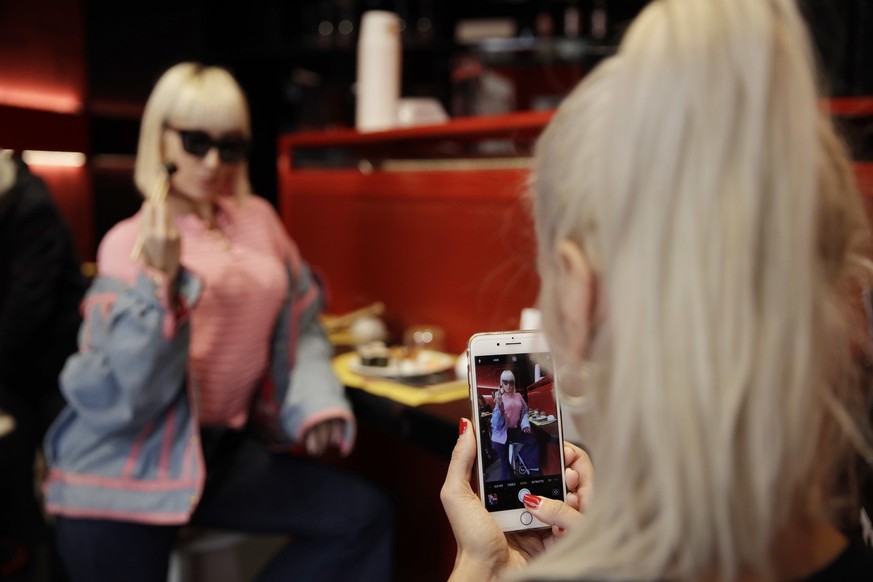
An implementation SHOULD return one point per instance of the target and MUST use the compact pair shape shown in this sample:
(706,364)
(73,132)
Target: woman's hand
(161,247)
(579,475)
(483,549)
(322,435)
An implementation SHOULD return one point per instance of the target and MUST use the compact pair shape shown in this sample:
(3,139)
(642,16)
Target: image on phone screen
(519,437)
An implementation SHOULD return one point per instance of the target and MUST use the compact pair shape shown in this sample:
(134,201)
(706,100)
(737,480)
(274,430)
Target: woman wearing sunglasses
(200,358)
(510,424)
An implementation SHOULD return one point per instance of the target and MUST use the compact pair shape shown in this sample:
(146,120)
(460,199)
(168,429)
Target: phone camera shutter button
(526,518)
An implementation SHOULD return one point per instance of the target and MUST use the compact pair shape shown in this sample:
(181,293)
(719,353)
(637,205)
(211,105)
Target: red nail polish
(531,501)
(462,426)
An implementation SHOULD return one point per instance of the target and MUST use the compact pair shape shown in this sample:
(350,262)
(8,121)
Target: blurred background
(74,74)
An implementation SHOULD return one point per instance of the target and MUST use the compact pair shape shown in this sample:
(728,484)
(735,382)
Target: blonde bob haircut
(507,375)
(190,94)
(716,204)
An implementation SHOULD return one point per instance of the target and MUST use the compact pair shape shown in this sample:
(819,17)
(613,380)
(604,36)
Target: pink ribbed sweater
(244,284)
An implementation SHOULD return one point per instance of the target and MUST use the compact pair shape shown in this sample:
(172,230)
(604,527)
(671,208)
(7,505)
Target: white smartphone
(518,422)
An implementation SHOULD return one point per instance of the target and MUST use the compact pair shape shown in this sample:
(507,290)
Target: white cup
(378,71)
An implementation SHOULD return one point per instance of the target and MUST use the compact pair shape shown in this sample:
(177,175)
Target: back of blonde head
(712,196)
(189,95)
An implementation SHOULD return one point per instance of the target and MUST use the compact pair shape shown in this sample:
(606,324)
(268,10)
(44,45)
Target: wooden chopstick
(156,196)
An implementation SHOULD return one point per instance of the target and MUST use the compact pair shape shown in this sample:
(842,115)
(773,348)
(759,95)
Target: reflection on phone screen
(519,438)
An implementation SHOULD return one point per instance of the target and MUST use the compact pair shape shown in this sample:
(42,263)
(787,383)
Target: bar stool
(202,555)
(518,465)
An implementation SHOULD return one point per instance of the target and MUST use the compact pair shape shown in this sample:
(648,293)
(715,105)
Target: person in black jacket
(41,285)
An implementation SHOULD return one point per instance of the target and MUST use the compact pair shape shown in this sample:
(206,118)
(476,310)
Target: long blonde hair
(716,204)
(190,93)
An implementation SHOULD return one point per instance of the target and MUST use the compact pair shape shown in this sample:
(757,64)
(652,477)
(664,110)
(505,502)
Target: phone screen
(520,440)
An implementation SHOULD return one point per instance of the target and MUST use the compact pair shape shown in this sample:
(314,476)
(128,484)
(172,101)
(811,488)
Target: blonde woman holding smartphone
(699,239)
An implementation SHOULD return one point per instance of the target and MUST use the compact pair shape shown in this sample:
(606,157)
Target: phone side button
(526,518)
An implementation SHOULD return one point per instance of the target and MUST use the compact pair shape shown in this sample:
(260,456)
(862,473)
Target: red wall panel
(42,55)
(42,99)
(453,249)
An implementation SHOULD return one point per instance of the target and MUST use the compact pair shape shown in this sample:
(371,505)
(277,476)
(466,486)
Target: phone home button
(526,518)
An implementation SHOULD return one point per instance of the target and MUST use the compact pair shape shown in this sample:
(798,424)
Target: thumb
(463,457)
(552,511)
(460,502)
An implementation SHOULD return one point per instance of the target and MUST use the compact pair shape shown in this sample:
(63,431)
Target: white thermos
(378,71)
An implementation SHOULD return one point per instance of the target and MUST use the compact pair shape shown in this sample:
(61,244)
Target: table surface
(425,415)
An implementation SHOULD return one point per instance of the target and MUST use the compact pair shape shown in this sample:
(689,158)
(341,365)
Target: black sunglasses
(198,143)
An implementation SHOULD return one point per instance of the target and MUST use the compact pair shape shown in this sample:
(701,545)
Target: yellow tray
(395,389)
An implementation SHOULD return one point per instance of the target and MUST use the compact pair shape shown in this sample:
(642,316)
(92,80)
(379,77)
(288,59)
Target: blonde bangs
(211,99)
(190,95)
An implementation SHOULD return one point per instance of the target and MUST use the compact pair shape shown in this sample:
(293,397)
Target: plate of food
(541,419)
(378,360)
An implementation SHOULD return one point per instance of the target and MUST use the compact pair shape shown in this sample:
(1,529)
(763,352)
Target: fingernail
(462,426)
(531,501)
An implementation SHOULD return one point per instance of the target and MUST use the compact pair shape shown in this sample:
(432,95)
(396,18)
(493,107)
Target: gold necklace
(217,234)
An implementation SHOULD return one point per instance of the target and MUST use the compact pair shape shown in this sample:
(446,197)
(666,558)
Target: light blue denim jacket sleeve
(126,371)
(310,392)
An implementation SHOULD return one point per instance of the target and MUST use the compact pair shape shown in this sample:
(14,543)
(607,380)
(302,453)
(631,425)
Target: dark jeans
(529,453)
(341,527)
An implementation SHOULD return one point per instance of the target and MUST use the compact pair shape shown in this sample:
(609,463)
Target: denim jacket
(127,446)
(498,423)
